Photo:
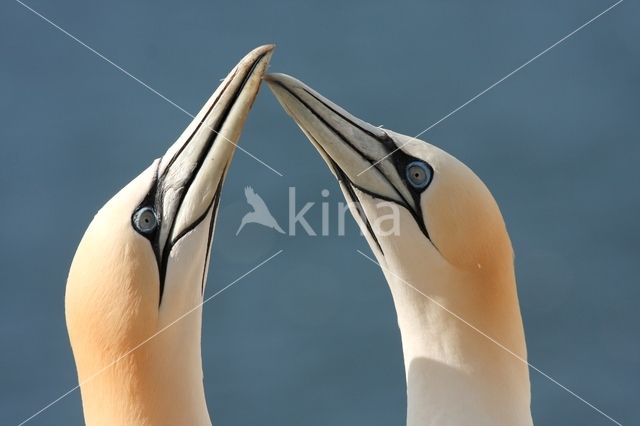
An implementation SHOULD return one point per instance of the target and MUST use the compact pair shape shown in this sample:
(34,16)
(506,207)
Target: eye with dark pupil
(145,220)
(418,174)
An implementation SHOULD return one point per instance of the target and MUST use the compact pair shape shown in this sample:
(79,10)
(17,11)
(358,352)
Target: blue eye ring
(418,174)
(145,220)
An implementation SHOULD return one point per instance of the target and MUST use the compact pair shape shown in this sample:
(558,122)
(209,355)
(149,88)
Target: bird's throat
(464,349)
(154,383)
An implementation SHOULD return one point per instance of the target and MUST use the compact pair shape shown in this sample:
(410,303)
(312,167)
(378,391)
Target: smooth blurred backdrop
(311,337)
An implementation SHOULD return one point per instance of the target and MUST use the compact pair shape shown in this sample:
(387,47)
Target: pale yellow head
(450,207)
(441,241)
(137,280)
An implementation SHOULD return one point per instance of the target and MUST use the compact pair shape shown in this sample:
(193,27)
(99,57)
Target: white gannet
(142,264)
(449,265)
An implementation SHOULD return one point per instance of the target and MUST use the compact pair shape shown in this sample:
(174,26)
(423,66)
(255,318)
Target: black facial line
(383,138)
(306,105)
(350,121)
(154,197)
(213,137)
(387,142)
(353,197)
(215,102)
(395,157)
(373,162)
(174,241)
(212,224)
(348,185)
(149,201)
(400,161)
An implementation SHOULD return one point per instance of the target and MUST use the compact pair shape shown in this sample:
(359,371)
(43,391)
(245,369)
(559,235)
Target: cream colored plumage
(449,265)
(142,265)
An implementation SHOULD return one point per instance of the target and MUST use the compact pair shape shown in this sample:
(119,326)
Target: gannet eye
(419,174)
(145,220)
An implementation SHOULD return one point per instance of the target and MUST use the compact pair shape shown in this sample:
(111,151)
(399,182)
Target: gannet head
(442,244)
(142,262)
(448,217)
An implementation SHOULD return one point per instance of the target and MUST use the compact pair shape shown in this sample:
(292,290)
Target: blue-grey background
(311,338)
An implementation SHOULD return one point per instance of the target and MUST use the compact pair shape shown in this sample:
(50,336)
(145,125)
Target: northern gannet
(142,264)
(449,265)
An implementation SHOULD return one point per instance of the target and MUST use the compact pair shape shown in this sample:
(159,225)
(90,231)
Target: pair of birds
(143,261)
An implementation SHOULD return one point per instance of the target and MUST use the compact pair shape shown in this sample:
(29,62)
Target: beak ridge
(190,174)
(348,144)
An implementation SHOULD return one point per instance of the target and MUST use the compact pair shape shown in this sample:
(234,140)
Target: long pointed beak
(190,174)
(347,144)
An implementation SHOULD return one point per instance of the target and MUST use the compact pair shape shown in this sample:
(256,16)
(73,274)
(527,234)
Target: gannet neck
(136,363)
(158,384)
(447,258)
(135,290)
(456,374)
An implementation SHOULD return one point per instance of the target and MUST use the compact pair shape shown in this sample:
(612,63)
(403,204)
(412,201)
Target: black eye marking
(418,174)
(145,220)
(147,216)
(396,155)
